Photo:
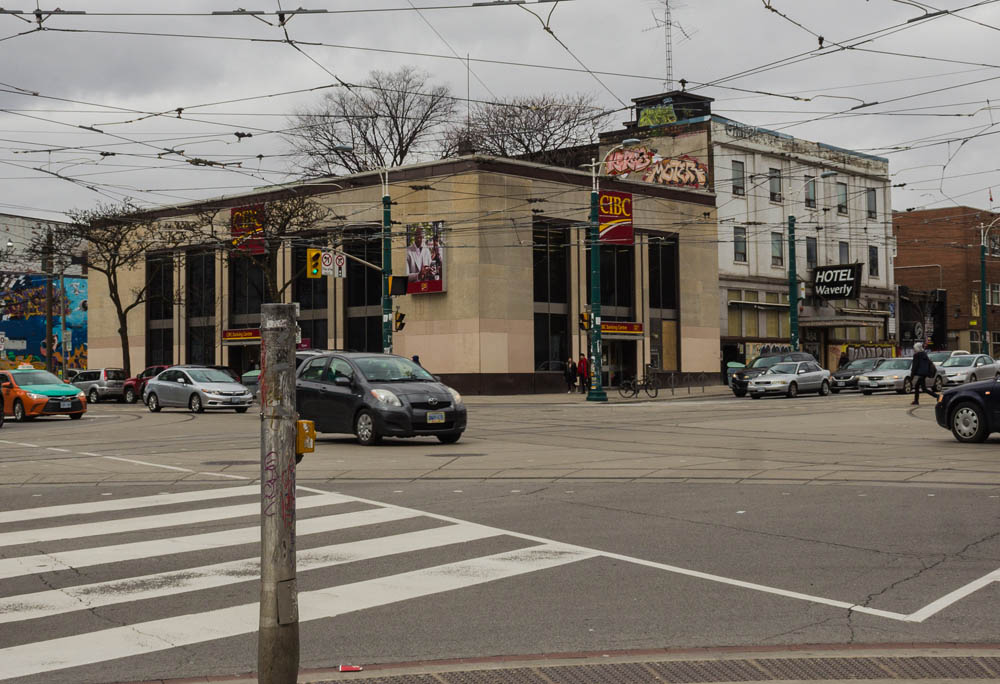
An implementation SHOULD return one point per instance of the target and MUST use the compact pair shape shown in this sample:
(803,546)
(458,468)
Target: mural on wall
(22,320)
(650,167)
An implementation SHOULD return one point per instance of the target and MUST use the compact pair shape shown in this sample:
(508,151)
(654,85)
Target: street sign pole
(596,392)
(386,266)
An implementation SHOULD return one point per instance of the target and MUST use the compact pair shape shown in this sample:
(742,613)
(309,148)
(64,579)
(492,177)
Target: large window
(314,331)
(871,199)
(739,178)
(246,285)
(774,183)
(663,273)
(845,252)
(811,192)
(740,244)
(777,249)
(201,345)
(617,279)
(551,341)
(160,287)
(873,261)
(811,253)
(200,285)
(364,291)
(159,346)
(310,293)
(841,198)
(550,263)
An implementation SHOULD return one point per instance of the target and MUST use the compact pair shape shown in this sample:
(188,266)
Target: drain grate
(691,671)
(229,463)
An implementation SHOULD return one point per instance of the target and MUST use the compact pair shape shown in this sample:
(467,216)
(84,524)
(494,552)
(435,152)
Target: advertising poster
(22,321)
(425,258)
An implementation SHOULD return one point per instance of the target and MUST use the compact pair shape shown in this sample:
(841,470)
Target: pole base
(597,395)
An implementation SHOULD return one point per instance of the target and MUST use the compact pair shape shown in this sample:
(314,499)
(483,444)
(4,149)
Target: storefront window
(735,314)
(751,317)
(550,263)
(663,272)
(773,316)
(617,276)
(551,342)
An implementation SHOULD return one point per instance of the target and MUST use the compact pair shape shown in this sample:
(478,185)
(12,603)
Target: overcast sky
(932,80)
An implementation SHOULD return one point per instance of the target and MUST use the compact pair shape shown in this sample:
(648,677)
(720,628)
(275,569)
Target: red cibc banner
(615,217)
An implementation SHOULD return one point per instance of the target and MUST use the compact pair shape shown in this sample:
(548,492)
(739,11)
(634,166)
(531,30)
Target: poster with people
(425,257)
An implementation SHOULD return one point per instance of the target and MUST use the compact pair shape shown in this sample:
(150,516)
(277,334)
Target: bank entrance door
(619,361)
(243,358)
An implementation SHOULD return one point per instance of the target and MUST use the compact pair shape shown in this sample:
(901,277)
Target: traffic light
(313,265)
(398,323)
(585,321)
(397,285)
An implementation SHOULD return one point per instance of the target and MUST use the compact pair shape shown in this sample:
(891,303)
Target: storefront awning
(842,322)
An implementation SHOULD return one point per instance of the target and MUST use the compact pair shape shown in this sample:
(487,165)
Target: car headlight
(896,377)
(32,395)
(456,397)
(80,395)
(386,397)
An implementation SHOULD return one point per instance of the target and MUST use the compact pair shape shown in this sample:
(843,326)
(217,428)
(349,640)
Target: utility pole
(62,320)
(793,288)
(386,266)
(47,264)
(596,392)
(278,635)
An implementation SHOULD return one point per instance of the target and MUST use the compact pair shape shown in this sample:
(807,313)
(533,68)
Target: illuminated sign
(615,218)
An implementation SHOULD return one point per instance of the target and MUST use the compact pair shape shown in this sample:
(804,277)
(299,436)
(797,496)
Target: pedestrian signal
(398,323)
(313,265)
(397,285)
(585,321)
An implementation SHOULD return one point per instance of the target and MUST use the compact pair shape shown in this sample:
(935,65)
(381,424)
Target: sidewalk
(711,391)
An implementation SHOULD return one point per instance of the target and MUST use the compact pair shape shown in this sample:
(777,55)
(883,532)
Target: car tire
(973,378)
(75,416)
(793,390)
(740,393)
(20,415)
(194,403)
(130,396)
(364,428)
(867,393)
(938,384)
(968,423)
(242,409)
(907,387)
(824,389)
(153,403)
(449,437)
(93,397)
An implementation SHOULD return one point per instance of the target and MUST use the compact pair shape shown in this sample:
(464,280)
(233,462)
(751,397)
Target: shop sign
(837,282)
(615,218)
(245,230)
(237,335)
(620,328)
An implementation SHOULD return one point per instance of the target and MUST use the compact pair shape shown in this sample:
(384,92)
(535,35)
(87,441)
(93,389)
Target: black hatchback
(377,395)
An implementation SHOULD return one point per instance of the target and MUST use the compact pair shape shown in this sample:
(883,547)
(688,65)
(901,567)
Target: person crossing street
(921,369)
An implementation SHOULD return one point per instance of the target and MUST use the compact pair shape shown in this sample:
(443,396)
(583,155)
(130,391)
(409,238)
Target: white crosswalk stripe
(374,533)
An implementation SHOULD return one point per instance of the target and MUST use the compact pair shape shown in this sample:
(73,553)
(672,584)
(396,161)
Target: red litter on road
(350,668)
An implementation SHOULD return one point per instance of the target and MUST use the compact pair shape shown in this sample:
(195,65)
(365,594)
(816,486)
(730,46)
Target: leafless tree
(116,240)
(542,126)
(389,119)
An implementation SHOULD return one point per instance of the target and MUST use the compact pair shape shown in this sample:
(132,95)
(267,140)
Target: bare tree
(542,126)
(116,240)
(389,119)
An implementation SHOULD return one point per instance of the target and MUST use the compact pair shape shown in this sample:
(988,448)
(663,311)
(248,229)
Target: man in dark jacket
(921,369)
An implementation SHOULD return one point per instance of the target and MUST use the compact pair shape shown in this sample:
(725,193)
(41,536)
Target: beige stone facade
(479,333)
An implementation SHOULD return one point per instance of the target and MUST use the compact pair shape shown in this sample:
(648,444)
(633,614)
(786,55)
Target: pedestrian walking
(570,374)
(921,369)
(844,360)
(582,368)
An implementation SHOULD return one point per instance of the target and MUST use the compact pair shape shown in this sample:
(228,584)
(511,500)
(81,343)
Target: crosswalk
(62,565)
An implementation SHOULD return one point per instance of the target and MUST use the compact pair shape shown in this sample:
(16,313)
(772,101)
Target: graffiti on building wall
(755,349)
(22,321)
(867,351)
(684,171)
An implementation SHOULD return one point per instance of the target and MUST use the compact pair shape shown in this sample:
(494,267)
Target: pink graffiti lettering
(684,170)
(279,489)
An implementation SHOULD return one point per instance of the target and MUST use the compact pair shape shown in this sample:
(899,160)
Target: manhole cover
(229,463)
(452,455)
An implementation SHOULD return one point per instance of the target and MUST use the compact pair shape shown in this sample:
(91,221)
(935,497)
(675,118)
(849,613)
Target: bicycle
(628,387)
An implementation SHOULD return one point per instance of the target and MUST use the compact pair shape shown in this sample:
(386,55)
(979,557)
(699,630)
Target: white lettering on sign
(836,283)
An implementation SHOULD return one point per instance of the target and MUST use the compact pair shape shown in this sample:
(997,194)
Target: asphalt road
(553,526)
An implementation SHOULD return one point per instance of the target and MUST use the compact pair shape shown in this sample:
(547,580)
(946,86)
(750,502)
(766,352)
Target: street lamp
(793,284)
(596,389)
(984,232)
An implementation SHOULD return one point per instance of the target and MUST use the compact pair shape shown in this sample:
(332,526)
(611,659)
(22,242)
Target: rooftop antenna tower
(667,23)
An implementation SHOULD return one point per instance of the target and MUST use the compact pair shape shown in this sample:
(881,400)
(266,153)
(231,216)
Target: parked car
(134,387)
(939,357)
(377,395)
(971,411)
(198,388)
(969,368)
(71,373)
(846,377)
(103,383)
(741,378)
(791,378)
(894,374)
(28,394)
(251,380)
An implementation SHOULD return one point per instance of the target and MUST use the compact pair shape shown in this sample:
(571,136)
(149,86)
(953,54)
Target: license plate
(435,417)
(873,383)
(65,404)
(235,400)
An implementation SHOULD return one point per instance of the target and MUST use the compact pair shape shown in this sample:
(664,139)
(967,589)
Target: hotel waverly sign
(837,282)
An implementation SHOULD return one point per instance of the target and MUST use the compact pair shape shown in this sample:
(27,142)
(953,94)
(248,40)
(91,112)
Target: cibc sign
(615,218)
(837,282)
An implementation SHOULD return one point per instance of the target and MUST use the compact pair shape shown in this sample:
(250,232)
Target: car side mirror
(802,370)
(343,380)
(182,381)
(5,384)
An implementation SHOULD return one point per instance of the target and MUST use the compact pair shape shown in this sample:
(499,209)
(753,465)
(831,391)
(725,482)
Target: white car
(791,378)
(969,368)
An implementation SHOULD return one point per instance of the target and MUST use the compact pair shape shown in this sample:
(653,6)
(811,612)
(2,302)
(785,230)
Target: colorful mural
(650,167)
(22,321)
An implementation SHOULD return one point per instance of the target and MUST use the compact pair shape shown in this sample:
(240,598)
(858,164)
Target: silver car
(791,378)
(101,383)
(969,368)
(197,388)
(894,374)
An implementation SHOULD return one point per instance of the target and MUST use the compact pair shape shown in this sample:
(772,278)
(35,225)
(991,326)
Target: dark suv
(377,395)
(741,378)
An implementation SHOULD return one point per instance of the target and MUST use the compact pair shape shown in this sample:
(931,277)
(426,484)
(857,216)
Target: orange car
(30,393)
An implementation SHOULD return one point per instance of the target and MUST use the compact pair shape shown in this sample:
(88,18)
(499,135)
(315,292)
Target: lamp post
(984,232)
(793,278)
(596,390)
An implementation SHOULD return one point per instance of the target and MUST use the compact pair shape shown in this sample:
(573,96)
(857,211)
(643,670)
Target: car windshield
(765,361)
(391,369)
(958,361)
(209,375)
(113,374)
(861,364)
(36,378)
(782,368)
(938,357)
(896,364)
